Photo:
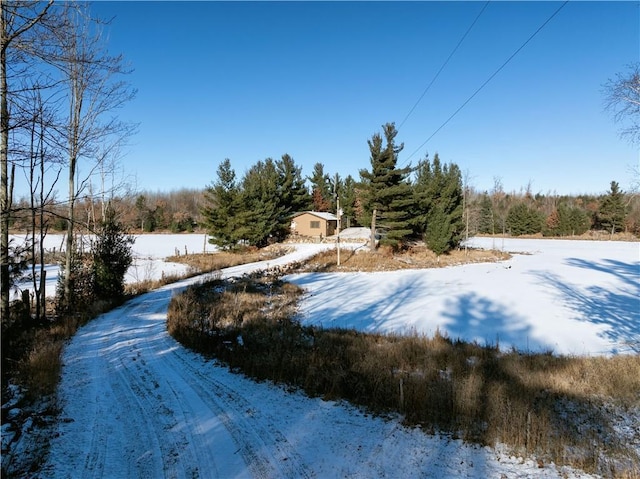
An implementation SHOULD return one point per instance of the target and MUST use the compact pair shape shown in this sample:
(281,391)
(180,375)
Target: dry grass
(204,263)
(554,408)
(40,369)
(383,259)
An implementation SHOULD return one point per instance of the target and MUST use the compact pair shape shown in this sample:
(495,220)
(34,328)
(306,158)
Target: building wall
(307,224)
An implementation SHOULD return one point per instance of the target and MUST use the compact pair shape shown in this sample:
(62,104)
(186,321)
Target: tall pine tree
(321,190)
(222,208)
(438,199)
(262,215)
(611,211)
(386,188)
(293,195)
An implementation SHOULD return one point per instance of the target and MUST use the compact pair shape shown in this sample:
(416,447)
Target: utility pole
(338,214)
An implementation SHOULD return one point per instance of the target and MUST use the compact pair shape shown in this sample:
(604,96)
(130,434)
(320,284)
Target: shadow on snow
(616,307)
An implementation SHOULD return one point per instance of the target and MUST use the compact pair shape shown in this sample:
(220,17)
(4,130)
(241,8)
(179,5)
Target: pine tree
(293,195)
(222,208)
(524,220)
(112,256)
(438,197)
(262,215)
(485,220)
(611,211)
(386,188)
(321,190)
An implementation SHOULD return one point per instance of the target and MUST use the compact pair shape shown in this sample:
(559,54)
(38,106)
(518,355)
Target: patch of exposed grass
(383,259)
(550,407)
(204,263)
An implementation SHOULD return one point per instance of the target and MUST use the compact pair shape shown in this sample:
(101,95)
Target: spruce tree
(439,231)
(611,211)
(566,220)
(524,220)
(485,220)
(293,192)
(293,195)
(438,198)
(386,188)
(112,256)
(320,189)
(348,201)
(222,209)
(262,215)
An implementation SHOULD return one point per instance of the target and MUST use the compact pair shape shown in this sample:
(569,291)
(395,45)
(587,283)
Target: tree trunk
(372,246)
(4,172)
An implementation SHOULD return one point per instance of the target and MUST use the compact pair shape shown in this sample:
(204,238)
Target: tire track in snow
(137,404)
(246,423)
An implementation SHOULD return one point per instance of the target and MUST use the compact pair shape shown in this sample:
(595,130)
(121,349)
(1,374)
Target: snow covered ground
(134,403)
(149,253)
(569,297)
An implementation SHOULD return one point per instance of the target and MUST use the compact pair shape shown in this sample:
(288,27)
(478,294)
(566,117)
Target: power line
(443,65)
(488,80)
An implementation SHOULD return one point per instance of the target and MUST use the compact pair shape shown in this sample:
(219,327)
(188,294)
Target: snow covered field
(569,297)
(134,403)
(149,252)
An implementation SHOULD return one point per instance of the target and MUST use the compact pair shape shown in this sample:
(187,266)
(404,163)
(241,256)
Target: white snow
(137,404)
(569,297)
(149,252)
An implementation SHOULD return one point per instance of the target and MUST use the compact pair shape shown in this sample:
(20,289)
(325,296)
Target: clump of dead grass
(204,263)
(384,259)
(40,369)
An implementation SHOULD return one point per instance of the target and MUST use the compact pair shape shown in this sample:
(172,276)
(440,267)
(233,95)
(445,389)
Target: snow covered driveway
(136,404)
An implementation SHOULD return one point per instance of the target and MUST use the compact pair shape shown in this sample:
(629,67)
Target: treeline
(403,203)
(144,212)
(424,202)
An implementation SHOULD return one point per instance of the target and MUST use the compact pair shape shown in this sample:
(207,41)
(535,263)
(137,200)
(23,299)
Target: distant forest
(272,191)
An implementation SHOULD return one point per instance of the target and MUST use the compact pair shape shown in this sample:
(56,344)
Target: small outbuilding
(314,224)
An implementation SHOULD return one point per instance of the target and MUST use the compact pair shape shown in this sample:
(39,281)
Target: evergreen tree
(321,190)
(524,220)
(222,208)
(386,188)
(262,215)
(293,196)
(112,256)
(611,211)
(566,221)
(293,191)
(578,221)
(348,201)
(485,220)
(438,197)
(439,231)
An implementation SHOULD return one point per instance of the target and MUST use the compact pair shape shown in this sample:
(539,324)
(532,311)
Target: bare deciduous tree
(18,22)
(623,101)
(94,92)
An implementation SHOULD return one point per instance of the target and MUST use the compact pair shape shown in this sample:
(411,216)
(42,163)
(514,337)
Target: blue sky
(252,80)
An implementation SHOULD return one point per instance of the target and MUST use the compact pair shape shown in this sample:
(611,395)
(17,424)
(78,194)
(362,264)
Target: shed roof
(319,214)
